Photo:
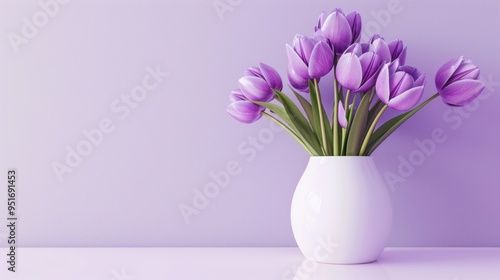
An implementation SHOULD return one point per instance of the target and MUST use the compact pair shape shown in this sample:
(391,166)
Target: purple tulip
(340,30)
(457,81)
(259,82)
(309,58)
(398,51)
(245,111)
(400,87)
(358,67)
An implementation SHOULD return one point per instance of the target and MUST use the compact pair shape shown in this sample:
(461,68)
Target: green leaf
(357,130)
(345,131)
(305,105)
(299,121)
(391,125)
(316,123)
(315,110)
(328,133)
(374,111)
(281,113)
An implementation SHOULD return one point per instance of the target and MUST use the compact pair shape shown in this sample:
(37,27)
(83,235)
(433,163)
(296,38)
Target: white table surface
(246,263)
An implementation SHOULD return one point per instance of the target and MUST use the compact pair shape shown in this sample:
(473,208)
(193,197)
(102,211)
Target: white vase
(341,210)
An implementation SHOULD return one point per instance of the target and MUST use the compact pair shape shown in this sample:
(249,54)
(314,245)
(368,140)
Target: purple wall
(148,82)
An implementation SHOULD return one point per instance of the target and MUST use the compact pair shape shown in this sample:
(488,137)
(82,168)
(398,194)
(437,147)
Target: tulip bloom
(309,58)
(245,111)
(400,87)
(457,82)
(340,30)
(398,51)
(358,67)
(259,82)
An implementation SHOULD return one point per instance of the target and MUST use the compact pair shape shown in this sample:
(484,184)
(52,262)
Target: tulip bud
(457,81)
(259,82)
(245,111)
(309,58)
(340,30)
(357,70)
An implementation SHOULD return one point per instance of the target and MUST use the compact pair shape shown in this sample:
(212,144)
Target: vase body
(341,210)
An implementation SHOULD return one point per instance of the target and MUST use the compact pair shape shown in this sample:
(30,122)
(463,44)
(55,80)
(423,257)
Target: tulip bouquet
(368,78)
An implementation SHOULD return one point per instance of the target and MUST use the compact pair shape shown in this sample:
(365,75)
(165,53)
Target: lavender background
(128,190)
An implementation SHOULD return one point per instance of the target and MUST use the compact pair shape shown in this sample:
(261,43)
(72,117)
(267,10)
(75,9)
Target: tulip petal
(321,60)
(446,71)
(400,82)
(271,76)
(370,64)
(297,81)
(245,111)
(357,48)
(402,56)
(407,100)
(305,48)
(236,95)
(321,19)
(394,66)
(296,62)
(418,77)
(461,92)
(398,50)
(370,82)
(349,72)
(338,31)
(255,89)
(342,117)
(253,71)
(465,71)
(354,20)
(381,48)
(382,85)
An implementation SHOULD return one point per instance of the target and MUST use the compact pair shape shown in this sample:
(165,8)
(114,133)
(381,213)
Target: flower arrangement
(368,78)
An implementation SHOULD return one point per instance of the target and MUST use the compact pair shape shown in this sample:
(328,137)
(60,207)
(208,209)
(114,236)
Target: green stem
(289,131)
(349,121)
(391,125)
(370,131)
(372,94)
(321,120)
(347,97)
(335,118)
